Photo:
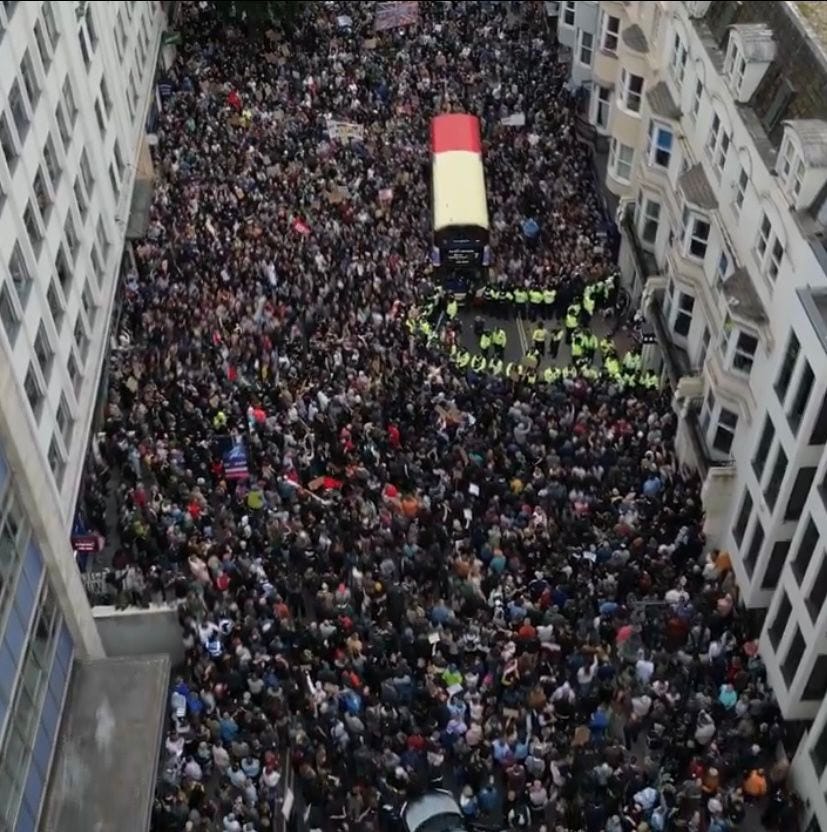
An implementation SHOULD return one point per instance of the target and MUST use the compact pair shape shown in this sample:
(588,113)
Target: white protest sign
(514,120)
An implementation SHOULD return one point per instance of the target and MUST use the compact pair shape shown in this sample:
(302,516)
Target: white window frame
(654,146)
(697,97)
(628,99)
(718,144)
(609,38)
(615,160)
(677,61)
(601,107)
(581,47)
(734,66)
(769,249)
(723,267)
(680,312)
(790,169)
(741,184)
(741,353)
(690,220)
(721,426)
(569,8)
(649,213)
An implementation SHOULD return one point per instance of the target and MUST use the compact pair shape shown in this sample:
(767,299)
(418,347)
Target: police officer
(551,374)
(572,320)
(452,308)
(590,345)
(462,358)
(521,299)
(549,300)
(495,367)
(499,339)
(478,363)
(535,297)
(588,305)
(555,341)
(485,342)
(538,338)
(577,346)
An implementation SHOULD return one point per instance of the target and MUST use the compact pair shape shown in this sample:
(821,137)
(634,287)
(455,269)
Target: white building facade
(76,81)
(719,158)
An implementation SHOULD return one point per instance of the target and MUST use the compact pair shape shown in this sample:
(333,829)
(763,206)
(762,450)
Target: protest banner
(344,131)
(514,120)
(394,14)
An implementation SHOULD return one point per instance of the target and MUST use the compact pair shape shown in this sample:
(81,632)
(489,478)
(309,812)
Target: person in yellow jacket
(549,301)
(478,363)
(551,374)
(588,305)
(572,321)
(499,339)
(521,299)
(496,367)
(462,359)
(535,298)
(452,309)
(219,420)
(538,338)
(485,342)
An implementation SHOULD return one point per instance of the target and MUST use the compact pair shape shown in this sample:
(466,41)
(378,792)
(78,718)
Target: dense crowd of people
(410,575)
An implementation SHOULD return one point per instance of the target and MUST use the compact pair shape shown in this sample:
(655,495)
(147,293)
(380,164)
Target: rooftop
(108,747)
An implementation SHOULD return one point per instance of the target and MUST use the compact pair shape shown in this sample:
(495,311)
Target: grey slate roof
(812,135)
(661,101)
(634,38)
(759,44)
(696,188)
(742,297)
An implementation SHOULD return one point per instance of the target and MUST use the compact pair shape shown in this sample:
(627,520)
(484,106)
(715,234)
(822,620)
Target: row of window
(36,653)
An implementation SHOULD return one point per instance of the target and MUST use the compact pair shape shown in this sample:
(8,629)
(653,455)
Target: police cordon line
(541,304)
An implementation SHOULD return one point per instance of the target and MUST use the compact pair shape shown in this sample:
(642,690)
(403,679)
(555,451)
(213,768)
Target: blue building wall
(36,653)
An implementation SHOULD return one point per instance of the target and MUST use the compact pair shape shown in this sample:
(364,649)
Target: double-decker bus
(459,206)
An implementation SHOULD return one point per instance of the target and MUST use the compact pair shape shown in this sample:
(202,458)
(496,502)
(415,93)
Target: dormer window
(750,50)
(801,167)
(791,169)
(735,66)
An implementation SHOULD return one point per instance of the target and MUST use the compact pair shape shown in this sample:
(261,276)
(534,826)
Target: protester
(392,574)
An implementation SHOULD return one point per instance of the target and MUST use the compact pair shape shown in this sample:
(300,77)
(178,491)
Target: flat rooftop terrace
(103,777)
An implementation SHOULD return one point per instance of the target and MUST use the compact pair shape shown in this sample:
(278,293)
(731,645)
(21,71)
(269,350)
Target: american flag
(235,463)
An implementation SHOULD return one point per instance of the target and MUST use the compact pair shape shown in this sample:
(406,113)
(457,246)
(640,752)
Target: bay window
(648,218)
(659,145)
(601,101)
(631,91)
(609,33)
(695,234)
(568,13)
(725,431)
(621,157)
(738,348)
